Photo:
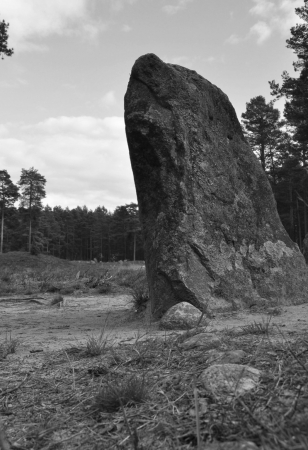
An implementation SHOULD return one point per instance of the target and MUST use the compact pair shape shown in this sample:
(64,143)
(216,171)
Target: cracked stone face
(212,234)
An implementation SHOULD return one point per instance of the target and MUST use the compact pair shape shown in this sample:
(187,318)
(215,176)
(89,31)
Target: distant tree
(295,90)
(8,196)
(32,185)
(262,128)
(4,50)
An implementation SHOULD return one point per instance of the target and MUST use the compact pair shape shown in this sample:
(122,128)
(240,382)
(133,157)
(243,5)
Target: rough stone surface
(211,229)
(228,357)
(230,379)
(204,340)
(182,316)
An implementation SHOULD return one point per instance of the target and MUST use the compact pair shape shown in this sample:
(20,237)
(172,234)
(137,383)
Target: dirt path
(41,327)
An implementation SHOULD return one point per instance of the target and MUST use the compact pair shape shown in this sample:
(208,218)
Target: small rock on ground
(204,340)
(182,316)
(230,379)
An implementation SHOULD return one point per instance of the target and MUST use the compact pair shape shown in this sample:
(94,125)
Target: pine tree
(32,185)
(295,90)
(262,126)
(4,50)
(8,196)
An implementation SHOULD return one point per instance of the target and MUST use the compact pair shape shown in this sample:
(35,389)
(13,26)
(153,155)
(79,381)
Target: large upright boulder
(212,234)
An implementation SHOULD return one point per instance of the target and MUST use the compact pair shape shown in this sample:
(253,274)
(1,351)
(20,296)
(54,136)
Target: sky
(62,91)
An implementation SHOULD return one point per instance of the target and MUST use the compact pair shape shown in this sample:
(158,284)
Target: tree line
(77,233)
(281,144)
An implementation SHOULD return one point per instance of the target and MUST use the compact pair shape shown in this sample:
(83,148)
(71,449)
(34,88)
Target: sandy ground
(41,327)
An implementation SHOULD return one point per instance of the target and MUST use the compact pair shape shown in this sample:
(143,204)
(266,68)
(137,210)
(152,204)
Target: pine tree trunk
(30,232)
(291,212)
(2,228)
(135,246)
(299,226)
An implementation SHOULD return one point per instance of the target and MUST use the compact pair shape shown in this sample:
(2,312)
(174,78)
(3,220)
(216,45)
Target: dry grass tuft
(125,392)
(8,346)
(96,345)
(257,327)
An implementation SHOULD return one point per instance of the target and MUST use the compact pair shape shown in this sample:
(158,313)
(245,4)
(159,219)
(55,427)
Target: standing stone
(212,234)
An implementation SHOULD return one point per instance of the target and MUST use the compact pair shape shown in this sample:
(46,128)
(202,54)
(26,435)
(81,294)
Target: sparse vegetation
(152,390)
(147,394)
(24,273)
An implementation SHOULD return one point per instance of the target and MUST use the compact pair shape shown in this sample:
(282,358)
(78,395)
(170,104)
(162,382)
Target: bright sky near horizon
(62,90)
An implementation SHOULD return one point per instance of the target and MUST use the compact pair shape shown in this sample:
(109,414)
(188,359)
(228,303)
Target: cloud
(263,8)
(33,19)
(262,30)
(277,16)
(84,159)
(233,39)
(173,9)
(108,99)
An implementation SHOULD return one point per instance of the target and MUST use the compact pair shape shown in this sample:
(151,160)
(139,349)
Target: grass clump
(8,347)
(126,392)
(257,327)
(96,345)
(137,282)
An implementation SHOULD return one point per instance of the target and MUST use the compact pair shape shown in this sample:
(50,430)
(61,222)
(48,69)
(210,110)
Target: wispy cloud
(41,18)
(233,39)
(85,159)
(179,6)
(262,31)
(277,16)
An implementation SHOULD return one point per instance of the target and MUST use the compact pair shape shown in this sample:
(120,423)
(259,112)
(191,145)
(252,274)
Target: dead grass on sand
(62,399)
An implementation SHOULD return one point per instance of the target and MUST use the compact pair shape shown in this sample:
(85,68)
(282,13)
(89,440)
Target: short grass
(147,396)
